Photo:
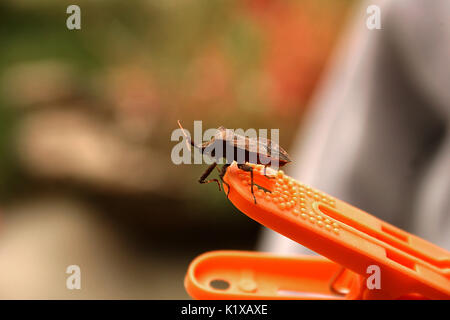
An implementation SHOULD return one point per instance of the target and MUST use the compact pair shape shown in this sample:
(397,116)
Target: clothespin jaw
(407,266)
(252,275)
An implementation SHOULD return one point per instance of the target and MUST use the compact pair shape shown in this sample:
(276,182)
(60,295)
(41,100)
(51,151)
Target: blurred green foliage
(138,66)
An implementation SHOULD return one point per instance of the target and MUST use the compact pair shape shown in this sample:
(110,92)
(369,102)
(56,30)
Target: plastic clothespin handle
(409,266)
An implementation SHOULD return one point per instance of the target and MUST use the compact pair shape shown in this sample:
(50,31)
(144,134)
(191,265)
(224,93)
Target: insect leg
(207,173)
(246,167)
(222,174)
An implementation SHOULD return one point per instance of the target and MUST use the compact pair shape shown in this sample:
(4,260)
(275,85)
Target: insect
(233,147)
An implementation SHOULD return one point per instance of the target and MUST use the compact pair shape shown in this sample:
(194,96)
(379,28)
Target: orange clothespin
(363,256)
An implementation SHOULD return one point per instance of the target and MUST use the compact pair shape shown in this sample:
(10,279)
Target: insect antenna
(188,140)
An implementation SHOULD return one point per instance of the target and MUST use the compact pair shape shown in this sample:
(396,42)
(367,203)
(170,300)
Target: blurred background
(86,116)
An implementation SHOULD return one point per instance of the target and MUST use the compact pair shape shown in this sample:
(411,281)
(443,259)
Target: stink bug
(243,149)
